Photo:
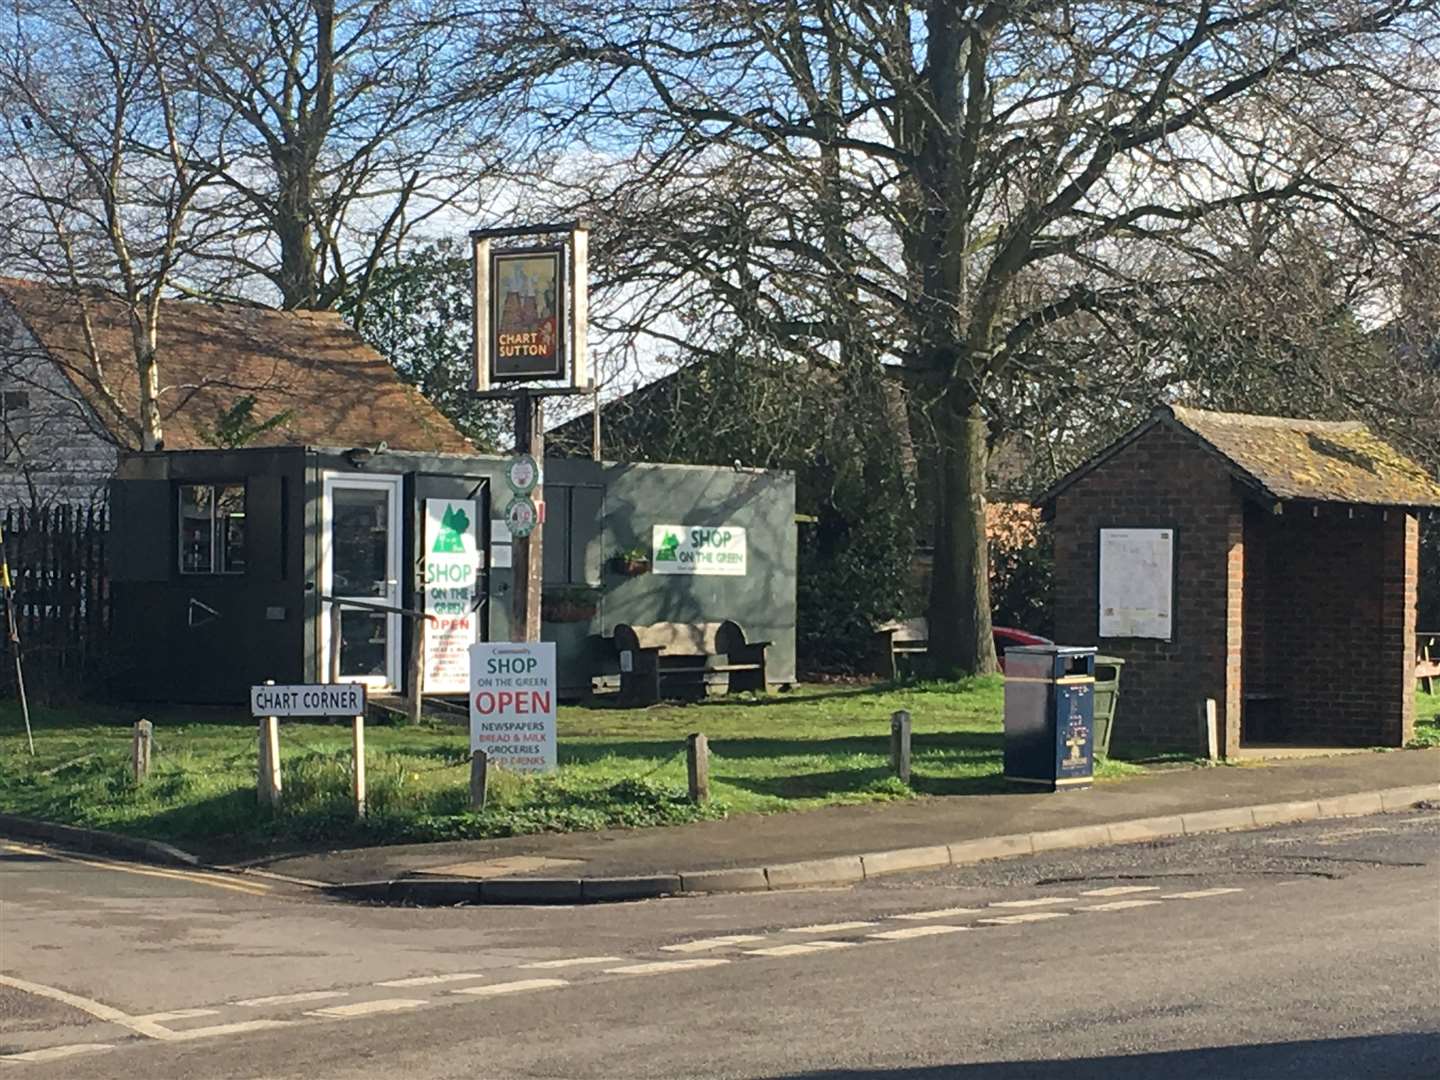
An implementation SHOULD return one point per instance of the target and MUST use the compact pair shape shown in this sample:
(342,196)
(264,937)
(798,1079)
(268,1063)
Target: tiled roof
(1291,459)
(337,389)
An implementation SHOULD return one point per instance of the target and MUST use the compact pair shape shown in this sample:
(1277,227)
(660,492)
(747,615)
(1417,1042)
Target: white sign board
(698,549)
(452,570)
(1137,583)
(313,699)
(512,704)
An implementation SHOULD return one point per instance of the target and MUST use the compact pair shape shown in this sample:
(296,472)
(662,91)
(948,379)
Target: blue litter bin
(1050,716)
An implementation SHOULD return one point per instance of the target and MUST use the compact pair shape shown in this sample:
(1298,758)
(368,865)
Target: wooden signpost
(531,312)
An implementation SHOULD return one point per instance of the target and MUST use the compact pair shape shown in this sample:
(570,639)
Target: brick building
(1267,564)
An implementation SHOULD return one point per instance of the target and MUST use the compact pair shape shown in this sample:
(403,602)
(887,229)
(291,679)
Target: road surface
(1308,951)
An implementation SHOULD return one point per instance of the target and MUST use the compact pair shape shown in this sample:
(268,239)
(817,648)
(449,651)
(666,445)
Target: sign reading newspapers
(512,704)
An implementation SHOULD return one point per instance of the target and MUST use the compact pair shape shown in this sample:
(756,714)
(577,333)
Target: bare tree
(943,186)
(348,125)
(97,190)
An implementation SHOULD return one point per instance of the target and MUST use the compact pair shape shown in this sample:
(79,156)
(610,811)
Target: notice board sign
(311,699)
(527,314)
(452,578)
(698,549)
(512,704)
(1137,583)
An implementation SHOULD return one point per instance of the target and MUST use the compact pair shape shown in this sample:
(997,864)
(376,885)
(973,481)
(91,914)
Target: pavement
(846,844)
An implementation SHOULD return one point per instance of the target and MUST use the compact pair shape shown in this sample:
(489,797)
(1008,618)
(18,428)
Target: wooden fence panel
(61,597)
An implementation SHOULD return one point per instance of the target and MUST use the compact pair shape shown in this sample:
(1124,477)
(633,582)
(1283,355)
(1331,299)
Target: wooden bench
(1427,663)
(682,660)
(892,640)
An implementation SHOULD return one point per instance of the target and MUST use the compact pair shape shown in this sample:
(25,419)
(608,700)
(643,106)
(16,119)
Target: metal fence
(61,597)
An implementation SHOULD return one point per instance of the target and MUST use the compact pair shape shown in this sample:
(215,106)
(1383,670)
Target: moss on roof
(1318,460)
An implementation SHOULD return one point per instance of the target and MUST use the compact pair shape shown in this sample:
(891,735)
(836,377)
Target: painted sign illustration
(527,323)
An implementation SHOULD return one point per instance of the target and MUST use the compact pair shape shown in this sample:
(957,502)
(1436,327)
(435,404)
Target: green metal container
(1107,693)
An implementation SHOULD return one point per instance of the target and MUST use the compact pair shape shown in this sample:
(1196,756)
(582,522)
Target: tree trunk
(961,640)
(152,436)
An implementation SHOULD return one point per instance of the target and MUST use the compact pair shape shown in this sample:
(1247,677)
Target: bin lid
(1115,661)
(1052,650)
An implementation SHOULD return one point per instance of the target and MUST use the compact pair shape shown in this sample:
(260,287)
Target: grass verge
(618,768)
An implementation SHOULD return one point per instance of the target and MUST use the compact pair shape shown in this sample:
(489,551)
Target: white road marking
(97,1009)
(433,980)
(229,1029)
(1121,890)
(1039,901)
(1198,894)
(574,961)
(801,948)
(176,1014)
(55,1053)
(703,944)
(291,999)
(368,1008)
(1120,905)
(1029,916)
(938,913)
(254,888)
(829,928)
(511,987)
(662,966)
(916,931)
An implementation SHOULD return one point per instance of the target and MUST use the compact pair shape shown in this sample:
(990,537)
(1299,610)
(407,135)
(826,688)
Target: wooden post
(528,554)
(267,788)
(140,751)
(697,764)
(357,768)
(415,675)
(334,641)
(479,778)
(1210,729)
(900,745)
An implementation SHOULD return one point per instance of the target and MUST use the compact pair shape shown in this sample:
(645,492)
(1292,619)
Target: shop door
(360,561)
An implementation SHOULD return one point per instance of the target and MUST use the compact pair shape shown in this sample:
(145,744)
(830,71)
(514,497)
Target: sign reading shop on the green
(452,569)
(698,549)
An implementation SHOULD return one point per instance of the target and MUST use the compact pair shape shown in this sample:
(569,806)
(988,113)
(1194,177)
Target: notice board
(1137,583)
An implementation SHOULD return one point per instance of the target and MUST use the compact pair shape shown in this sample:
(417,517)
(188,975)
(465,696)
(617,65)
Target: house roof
(336,389)
(1287,459)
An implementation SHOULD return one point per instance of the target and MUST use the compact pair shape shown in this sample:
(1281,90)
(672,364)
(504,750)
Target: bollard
(357,752)
(1210,729)
(479,778)
(267,787)
(140,751)
(900,745)
(697,763)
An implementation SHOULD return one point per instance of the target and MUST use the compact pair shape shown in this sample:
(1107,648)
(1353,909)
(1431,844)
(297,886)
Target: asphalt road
(1309,951)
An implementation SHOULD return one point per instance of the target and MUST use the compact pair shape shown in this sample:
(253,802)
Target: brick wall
(1161,480)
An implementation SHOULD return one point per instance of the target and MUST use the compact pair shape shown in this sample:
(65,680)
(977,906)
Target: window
(212,528)
(14,424)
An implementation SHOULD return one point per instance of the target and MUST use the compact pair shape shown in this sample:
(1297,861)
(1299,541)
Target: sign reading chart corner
(698,549)
(512,704)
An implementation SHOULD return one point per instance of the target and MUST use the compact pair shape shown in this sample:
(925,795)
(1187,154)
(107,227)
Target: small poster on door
(452,564)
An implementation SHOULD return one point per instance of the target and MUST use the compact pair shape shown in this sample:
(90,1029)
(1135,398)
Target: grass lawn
(618,767)
(1427,719)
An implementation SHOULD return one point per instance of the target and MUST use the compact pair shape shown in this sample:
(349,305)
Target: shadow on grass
(876,781)
(963,743)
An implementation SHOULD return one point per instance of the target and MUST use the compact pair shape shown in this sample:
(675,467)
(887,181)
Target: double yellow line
(194,877)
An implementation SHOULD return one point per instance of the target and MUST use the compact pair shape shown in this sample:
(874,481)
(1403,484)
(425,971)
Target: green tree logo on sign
(453,526)
(668,547)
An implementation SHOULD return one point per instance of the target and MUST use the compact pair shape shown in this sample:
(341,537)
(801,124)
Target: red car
(1006,638)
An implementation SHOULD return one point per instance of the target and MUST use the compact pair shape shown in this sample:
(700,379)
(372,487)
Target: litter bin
(1050,715)
(1107,694)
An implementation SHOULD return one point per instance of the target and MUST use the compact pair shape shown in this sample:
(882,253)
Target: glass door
(361,561)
